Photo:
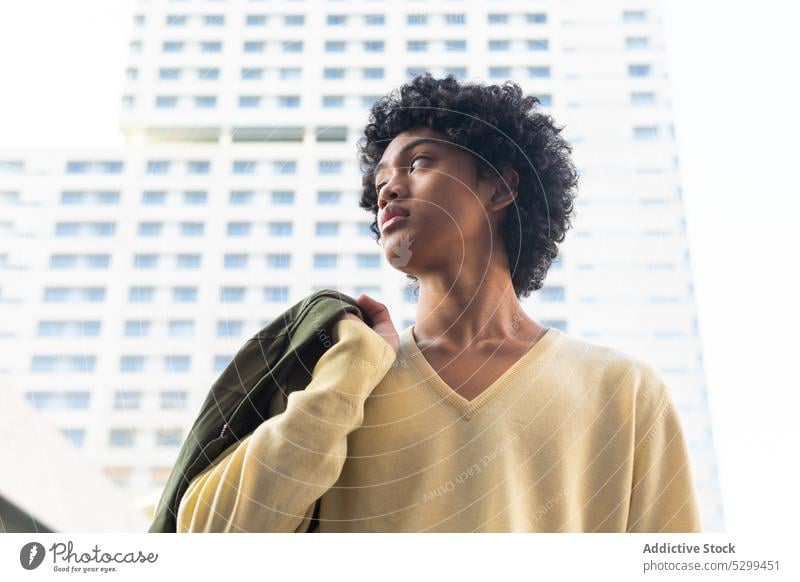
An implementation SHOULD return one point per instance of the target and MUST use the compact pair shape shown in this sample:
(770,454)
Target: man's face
(436,184)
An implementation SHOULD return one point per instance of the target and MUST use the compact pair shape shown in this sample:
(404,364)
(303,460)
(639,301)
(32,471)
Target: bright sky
(733,67)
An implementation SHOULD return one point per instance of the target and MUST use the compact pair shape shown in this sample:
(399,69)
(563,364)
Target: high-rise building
(131,275)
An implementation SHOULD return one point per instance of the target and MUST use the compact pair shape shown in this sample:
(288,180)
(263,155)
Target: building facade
(131,275)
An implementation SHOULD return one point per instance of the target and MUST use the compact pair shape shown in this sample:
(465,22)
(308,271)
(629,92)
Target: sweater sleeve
(663,497)
(270,481)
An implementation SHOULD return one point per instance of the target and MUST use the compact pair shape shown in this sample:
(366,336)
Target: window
(166,102)
(457,72)
(283,197)
(499,72)
(325,261)
(327,229)
(239,228)
(643,98)
(536,18)
(253,46)
(232,294)
(192,228)
(368,261)
(638,70)
(416,19)
(280,228)
(499,45)
(171,437)
(373,73)
(374,46)
(172,46)
(181,328)
(74,167)
(131,364)
(249,101)
(235,261)
(292,46)
(174,399)
(279,261)
(76,436)
(213,20)
(206,74)
(169,74)
(145,261)
(241,197)
(139,294)
(455,45)
(186,261)
(193,167)
(329,167)
(498,18)
(364,229)
(153,197)
(539,44)
(59,400)
(184,294)
(136,328)
(276,294)
(417,46)
(211,46)
(244,167)
(336,19)
(328,198)
(634,16)
(150,228)
(127,400)
(70,364)
(288,101)
(374,19)
(122,437)
(637,42)
(455,19)
(539,72)
(549,294)
(560,324)
(176,20)
(255,20)
(157,167)
(333,73)
(291,73)
(284,167)
(332,101)
(230,328)
(646,133)
(68,329)
(252,74)
(334,46)
(205,101)
(294,20)
(195,197)
(177,363)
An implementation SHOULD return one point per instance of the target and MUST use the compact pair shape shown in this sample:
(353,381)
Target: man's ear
(506,188)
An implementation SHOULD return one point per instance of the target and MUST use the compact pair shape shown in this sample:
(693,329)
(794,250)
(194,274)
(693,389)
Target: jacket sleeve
(270,481)
(663,497)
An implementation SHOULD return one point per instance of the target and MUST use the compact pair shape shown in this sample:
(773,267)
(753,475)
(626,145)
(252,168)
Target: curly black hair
(499,127)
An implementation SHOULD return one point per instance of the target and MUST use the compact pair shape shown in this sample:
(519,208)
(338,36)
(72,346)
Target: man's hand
(381,321)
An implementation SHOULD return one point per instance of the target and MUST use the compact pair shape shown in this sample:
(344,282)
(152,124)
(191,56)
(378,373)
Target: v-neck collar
(468,408)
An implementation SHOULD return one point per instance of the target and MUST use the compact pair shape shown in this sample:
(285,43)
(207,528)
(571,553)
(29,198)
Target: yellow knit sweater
(574,437)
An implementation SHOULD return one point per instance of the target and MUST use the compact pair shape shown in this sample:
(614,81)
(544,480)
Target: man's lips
(392,220)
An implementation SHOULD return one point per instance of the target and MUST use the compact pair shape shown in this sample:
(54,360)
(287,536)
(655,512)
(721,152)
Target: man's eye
(382,184)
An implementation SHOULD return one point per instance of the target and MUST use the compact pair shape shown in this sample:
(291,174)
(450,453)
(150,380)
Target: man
(476,418)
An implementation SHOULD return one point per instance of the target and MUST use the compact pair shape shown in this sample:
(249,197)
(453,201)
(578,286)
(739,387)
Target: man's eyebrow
(409,146)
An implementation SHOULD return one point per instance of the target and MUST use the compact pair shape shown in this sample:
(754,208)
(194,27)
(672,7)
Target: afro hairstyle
(499,127)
